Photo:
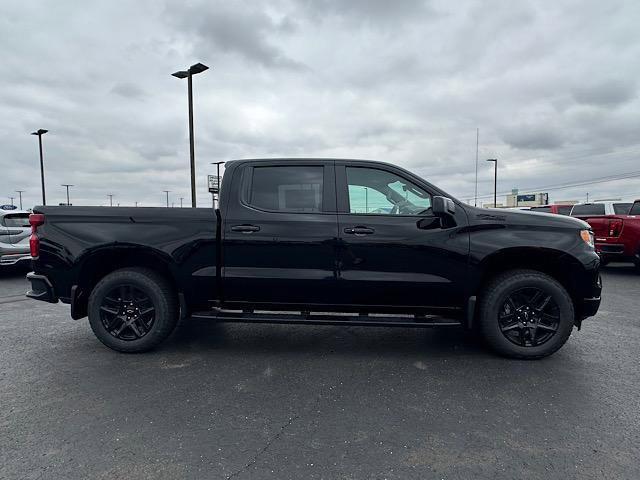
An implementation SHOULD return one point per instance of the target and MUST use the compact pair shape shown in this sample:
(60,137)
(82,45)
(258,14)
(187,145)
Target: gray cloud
(531,137)
(606,93)
(128,90)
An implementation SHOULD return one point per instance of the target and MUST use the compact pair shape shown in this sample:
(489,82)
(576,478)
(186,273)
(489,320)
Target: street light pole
(167,192)
(67,185)
(11,198)
(188,74)
(495,181)
(39,133)
(181,198)
(20,192)
(110,199)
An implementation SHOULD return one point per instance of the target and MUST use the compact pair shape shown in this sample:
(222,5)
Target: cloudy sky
(553,87)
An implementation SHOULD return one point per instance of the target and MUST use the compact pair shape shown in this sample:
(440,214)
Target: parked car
(554,208)
(301,236)
(14,237)
(600,208)
(617,237)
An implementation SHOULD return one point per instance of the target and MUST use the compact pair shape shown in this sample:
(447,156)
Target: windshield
(16,220)
(588,209)
(622,208)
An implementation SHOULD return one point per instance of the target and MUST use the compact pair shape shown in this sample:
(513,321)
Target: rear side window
(635,210)
(621,208)
(588,209)
(541,209)
(16,220)
(564,209)
(287,188)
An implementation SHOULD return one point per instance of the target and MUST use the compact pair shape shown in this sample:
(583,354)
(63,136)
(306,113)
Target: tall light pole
(110,195)
(11,198)
(167,192)
(181,198)
(495,181)
(67,185)
(39,133)
(188,74)
(20,192)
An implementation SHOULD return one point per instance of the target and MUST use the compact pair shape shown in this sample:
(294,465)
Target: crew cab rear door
(393,252)
(280,233)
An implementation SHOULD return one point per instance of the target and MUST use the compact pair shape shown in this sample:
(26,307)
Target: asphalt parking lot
(260,401)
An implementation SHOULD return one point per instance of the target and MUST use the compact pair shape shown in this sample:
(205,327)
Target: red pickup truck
(617,237)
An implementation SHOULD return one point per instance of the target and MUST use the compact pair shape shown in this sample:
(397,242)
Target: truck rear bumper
(41,288)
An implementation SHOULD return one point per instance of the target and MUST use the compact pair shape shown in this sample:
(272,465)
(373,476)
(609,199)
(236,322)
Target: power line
(610,178)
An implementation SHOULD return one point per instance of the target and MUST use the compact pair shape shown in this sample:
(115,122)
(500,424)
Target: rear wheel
(133,310)
(526,314)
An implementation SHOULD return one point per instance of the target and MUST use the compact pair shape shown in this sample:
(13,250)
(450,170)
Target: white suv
(14,237)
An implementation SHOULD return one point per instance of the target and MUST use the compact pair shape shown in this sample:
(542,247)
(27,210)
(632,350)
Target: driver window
(379,192)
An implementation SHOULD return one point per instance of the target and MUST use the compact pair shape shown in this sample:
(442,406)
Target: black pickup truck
(320,241)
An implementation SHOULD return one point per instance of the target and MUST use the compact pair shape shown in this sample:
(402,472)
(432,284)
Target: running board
(325,318)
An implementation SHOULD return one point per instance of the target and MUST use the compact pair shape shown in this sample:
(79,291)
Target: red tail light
(615,227)
(35,220)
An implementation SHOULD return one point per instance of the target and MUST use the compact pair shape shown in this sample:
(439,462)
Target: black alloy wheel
(529,317)
(133,309)
(127,312)
(525,314)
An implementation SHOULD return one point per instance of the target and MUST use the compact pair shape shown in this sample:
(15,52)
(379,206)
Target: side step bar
(326,318)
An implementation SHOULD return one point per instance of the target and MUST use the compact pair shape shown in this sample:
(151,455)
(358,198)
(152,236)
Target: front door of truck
(280,233)
(392,251)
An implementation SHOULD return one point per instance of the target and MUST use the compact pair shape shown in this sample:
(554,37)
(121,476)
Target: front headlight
(587,236)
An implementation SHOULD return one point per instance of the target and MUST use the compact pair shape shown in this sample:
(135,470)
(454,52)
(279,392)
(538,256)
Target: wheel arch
(560,265)
(100,262)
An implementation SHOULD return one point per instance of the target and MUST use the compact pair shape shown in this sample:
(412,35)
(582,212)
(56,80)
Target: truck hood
(523,217)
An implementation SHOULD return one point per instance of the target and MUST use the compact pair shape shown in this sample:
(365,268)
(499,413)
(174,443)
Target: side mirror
(443,207)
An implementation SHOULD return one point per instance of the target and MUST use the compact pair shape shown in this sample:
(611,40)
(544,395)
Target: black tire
(149,324)
(499,312)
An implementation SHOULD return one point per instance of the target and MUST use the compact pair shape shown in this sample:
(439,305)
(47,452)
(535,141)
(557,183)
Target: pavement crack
(266,446)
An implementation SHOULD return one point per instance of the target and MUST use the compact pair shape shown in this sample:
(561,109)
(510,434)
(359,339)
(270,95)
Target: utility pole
(20,192)
(181,198)
(188,74)
(110,199)
(67,185)
(39,133)
(167,192)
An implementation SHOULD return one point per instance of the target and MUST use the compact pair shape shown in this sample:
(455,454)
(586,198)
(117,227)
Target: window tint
(588,209)
(565,209)
(621,208)
(380,192)
(541,209)
(287,189)
(635,210)
(16,220)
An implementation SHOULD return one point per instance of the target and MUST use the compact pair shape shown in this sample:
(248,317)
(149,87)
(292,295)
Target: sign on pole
(214,183)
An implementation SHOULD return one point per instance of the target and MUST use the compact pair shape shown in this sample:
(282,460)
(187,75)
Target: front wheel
(133,310)
(526,314)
